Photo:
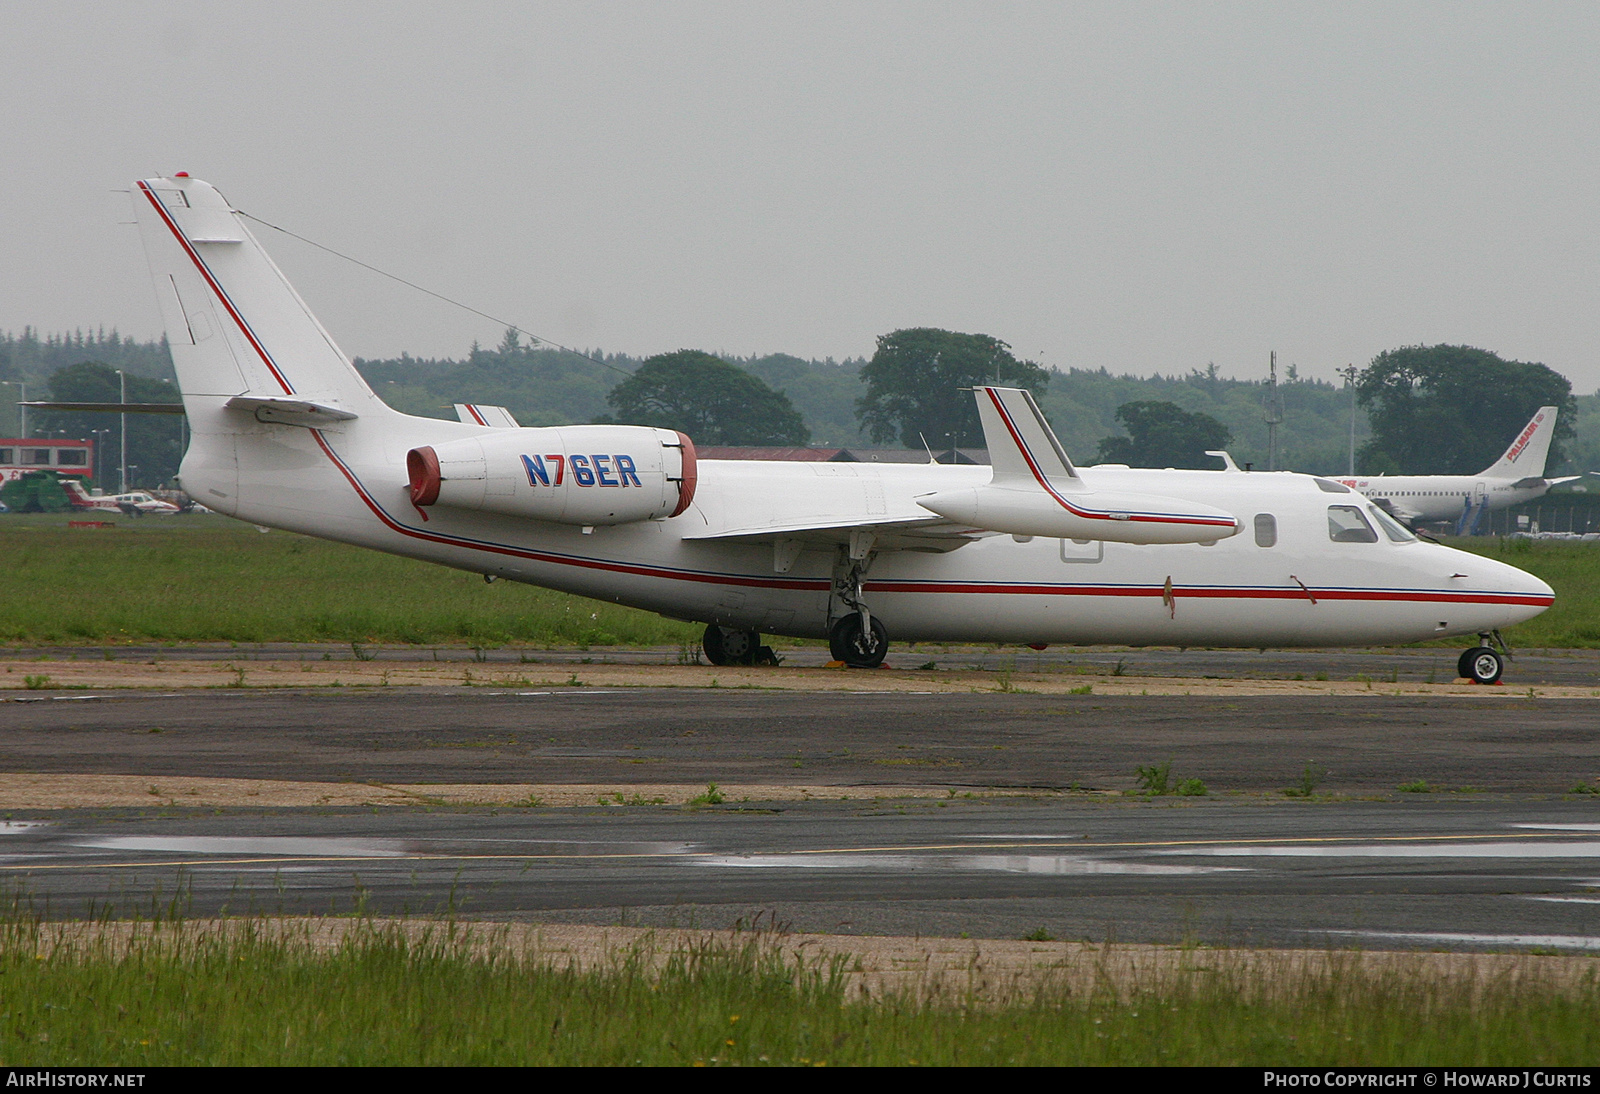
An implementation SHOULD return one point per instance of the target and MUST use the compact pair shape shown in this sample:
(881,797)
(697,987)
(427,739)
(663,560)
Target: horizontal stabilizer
(110,408)
(300,412)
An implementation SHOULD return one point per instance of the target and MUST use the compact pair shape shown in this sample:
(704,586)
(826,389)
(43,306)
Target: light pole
(1349,374)
(99,443)
(21,403)
(122,427)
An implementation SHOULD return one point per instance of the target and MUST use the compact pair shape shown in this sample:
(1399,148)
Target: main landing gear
(1483,664)
(857,645)
(731,646)
(857,638)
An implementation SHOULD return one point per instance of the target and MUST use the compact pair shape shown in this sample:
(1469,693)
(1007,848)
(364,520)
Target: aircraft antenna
(536,339)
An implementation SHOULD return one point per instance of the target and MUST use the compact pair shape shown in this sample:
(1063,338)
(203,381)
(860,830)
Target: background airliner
(1516,477)
(285,433)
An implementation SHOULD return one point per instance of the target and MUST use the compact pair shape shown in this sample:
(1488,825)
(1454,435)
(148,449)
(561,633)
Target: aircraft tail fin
(1022,446)
(77,496)
(1527,455)
(235,325)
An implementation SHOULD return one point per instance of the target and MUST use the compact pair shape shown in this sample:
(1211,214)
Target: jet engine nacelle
(1100,514)
(583,474)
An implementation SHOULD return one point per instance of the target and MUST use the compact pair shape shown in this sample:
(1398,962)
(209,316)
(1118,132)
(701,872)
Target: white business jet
(285,433)
(1516,477)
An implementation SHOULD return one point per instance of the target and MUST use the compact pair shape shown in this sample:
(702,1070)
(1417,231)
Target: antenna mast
(1349,374)
(1274,413)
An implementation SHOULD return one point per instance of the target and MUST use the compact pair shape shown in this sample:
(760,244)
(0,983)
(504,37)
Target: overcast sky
(1144,187)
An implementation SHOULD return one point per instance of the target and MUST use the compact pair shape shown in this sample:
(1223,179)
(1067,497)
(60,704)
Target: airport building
(18,456)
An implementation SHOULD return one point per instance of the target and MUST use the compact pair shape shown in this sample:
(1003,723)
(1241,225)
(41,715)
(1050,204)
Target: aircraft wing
(932,534)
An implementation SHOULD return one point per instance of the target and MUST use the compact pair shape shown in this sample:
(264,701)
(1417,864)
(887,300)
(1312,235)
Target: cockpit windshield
(1347,525)
(1397,532)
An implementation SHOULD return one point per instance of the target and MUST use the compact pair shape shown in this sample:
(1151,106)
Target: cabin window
(1347,525)
(1397,532)
(1266,530)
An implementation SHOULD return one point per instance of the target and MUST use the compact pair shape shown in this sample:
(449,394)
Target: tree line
(1434,409)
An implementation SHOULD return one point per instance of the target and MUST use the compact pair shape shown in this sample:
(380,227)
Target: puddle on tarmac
(1566,899)
(293,846)
(12,828)
(1058,865)
(1443,849)
(332,847)
(1544,941)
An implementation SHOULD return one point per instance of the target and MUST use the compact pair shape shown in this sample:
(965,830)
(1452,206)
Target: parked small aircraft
(1516,477)
(285,433)
(136,503)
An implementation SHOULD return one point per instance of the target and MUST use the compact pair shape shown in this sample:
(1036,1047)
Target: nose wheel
(1481,665)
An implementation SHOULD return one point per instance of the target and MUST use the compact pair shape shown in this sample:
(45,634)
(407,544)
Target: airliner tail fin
(1527,454)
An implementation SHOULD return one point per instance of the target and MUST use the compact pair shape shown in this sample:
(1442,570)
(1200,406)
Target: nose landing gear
(1483,664)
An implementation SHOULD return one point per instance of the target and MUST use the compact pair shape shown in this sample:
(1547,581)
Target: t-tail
(245,347)
(1526,457)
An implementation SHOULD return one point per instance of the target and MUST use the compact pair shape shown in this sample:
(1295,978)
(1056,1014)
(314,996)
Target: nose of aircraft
(1526,595)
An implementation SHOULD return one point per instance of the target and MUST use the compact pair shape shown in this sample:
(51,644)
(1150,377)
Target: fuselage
(1281,582)
(1445,497)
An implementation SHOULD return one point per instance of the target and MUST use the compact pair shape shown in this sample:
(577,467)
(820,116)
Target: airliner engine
(586,474)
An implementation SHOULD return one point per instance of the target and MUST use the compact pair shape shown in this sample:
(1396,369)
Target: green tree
(917,381)
(153,439)
(710,400)
(1164,435)
(1452,410)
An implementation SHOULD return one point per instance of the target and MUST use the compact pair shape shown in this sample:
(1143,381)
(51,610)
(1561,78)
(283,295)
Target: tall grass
(210,579)
(381,994)
(1571,569)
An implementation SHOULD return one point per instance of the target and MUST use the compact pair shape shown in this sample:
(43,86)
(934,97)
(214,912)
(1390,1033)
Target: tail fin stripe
(205,272)
(1088,514)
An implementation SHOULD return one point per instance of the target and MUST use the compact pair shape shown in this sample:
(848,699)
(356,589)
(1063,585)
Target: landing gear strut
(1483,664)
(857,638)
(731,646)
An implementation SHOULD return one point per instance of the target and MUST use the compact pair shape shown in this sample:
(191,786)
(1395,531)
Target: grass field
(212,579)
(383,996)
